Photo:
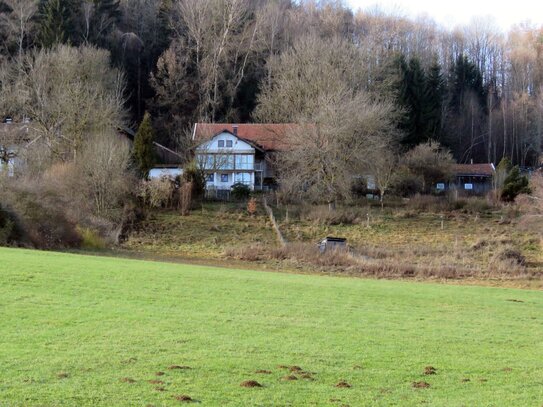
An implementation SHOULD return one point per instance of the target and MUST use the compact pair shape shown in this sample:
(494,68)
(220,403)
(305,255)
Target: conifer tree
(143,147)
(434,97)
(57,21)
(412,99)
(466,78)
(514,185)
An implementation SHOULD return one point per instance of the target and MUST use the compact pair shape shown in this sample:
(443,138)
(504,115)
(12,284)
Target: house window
(221,143)
(468,187)
(224,177)
(440,186)
(228,143)
(243,177)
(224,161)
(210,177)
(244,162)
(208,162)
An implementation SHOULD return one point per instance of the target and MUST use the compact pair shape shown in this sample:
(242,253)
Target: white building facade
(227,160)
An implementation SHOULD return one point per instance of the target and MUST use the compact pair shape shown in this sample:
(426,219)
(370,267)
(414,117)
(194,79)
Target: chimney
(235,128)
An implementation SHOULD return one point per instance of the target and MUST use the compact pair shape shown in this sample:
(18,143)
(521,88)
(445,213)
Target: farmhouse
(239,153)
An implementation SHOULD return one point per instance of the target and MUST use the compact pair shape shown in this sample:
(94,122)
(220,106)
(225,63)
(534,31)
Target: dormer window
(221,143)
(228,143)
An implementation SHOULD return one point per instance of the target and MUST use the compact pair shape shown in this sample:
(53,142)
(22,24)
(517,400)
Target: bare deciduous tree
(18,23)
(223,35)
(69,93)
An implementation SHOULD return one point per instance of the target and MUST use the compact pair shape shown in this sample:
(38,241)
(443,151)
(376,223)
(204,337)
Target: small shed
(473,179)
(332,243)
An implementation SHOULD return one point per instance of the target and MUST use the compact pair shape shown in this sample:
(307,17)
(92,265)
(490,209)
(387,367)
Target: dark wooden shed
(332,243)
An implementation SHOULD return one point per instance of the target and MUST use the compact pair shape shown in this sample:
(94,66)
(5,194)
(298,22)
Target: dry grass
(387,244)
(506,263)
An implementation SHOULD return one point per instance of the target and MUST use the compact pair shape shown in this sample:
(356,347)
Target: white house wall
(238,146)
(224,178)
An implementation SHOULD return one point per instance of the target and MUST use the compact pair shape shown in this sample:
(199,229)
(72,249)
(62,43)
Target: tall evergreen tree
(466,78)
(434,96)
(143,147)
(57,21)
(165,32)
(412,99)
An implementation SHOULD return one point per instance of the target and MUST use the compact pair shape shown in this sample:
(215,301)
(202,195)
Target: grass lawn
(81,331)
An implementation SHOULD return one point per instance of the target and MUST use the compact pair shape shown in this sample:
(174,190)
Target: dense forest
(474,89)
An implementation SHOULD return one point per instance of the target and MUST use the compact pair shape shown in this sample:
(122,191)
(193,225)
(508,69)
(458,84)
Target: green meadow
(96,331)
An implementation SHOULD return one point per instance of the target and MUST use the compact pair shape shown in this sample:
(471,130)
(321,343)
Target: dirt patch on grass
(250,383)
(262,371)
(127,380)
(159,388)
(160,374)
(342,384)
(421,385)
(466,380)
(429,370)
(62,375)
(184,398)
(177,367)
(282,367)
(155,381)
(289,378)
(357,367)
(507,369)
(513,300)
(295,369)
(306,376)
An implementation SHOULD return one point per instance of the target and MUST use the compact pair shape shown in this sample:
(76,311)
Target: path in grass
(81,331)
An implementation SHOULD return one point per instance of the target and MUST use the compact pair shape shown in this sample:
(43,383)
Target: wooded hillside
(474,89)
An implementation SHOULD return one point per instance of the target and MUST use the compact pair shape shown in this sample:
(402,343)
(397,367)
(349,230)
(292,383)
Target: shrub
(193,174)
(406,184)
(511,254)
(47,227)
(10,231)
(514,185)
(157,193)
(431,163)
(90,239)
(240,191)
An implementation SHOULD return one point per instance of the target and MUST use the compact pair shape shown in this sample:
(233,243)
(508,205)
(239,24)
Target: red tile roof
(486,169)
(270,137)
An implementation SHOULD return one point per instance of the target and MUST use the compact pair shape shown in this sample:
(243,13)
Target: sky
(458,12)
